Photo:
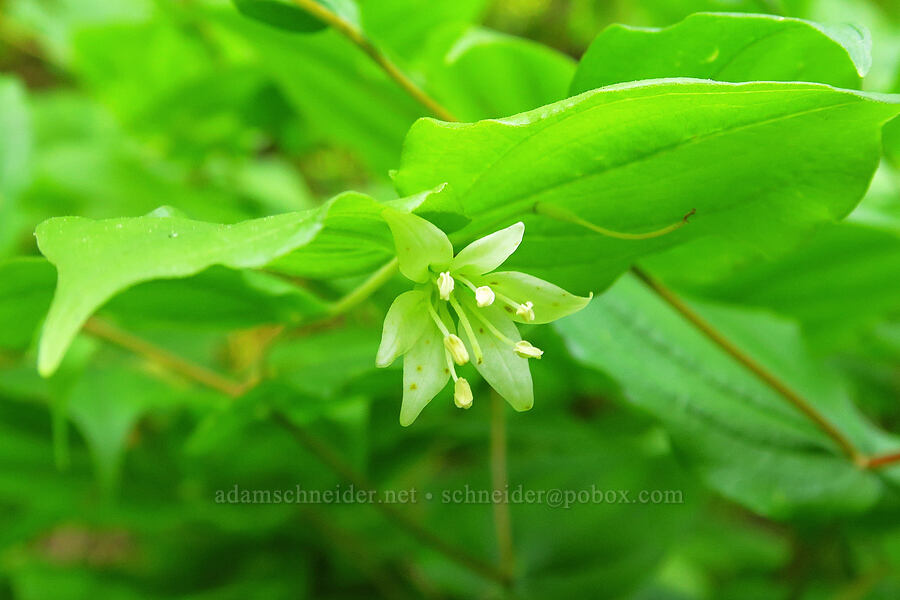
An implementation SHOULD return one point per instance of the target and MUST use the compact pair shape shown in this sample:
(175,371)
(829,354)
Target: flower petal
(419,244)
(425,373)
(486,254)
(403,326)
(507,373)
(550,302)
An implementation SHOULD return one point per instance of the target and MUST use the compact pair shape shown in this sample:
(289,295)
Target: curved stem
(366,289)
(500,481)
(107,331)
(756,368)
(352,33)
(561,214)
(401,519)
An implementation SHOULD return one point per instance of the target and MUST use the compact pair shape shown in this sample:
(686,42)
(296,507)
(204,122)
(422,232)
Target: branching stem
(352,33)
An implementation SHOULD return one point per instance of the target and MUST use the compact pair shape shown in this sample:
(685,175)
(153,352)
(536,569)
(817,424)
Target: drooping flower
(486,305)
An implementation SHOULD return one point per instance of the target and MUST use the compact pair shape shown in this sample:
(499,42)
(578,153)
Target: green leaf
(97,259)
(504,371)
(425,373)
(287,15)
(343,97)
(637,157)
(283,14)
(406,319)
(551,302)
(747,441)
(727,47)
(487,253)
(419,244)
(481,74)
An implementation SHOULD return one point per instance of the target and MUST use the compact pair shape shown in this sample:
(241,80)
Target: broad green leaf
(551,302)
(487,253)
(419,244)
(425,373)
(343,96)
(637,157)
(97,259)
(406,319)
(845,277)
(727,47)
(506,372)
(480,74)
(746,441)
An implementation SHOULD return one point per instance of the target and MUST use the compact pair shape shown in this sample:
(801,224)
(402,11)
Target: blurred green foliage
(245,132)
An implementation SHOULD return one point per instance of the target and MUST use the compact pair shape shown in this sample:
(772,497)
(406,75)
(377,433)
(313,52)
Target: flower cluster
(487,305)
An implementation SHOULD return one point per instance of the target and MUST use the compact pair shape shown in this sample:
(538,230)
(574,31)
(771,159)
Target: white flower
(420,325)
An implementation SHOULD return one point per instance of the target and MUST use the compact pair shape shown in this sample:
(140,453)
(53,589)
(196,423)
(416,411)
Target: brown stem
(401,519)
(107,331)
(356,36)
(756,368)
(882,460)
(500,481)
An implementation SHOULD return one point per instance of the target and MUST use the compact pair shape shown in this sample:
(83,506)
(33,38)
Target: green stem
(352,33)
(366,289)
(401,519)
(500,481)
(561,214)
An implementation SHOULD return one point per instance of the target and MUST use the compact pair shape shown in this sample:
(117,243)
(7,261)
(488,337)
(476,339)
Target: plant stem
(366,289)
(107,331)
(883,460)
(352,33)
(561,214)
(500,481)
(755,367)
(401,519)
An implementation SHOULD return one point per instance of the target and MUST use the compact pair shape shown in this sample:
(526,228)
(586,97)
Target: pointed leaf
(419,244)
(507,373)
(550,302)
(425,373)
(486,254)
(403,326)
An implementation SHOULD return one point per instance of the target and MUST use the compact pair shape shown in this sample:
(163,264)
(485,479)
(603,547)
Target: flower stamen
(462,394)
(445,285)
(496,332)
(524,349)
(464,321)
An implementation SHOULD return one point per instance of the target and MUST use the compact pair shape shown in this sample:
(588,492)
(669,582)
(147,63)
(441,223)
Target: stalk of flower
(487,305)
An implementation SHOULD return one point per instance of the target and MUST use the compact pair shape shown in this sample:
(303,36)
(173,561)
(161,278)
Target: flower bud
(526,350)
(526,312)
(445,285)
(484,296)
(462,394)
(457,349)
